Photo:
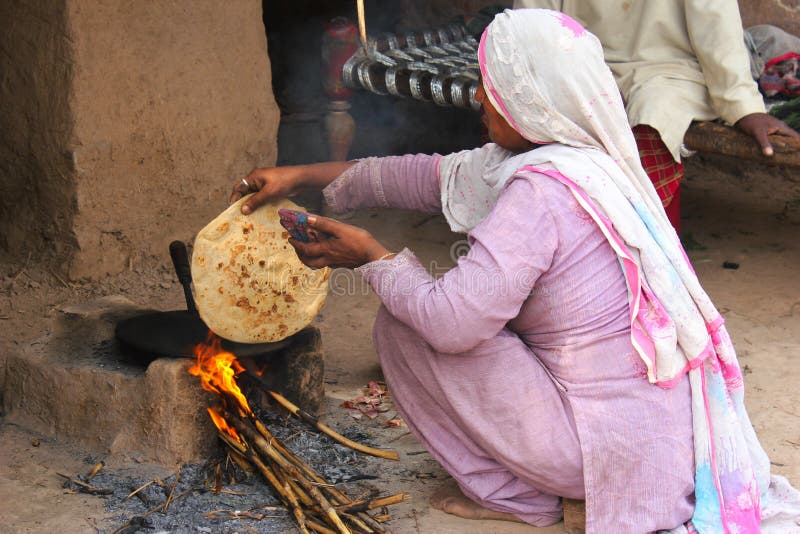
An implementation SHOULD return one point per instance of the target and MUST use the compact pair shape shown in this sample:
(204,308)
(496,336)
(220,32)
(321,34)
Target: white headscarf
(545,74)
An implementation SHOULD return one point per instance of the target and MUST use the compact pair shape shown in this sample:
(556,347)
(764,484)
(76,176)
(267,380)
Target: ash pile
(219,495)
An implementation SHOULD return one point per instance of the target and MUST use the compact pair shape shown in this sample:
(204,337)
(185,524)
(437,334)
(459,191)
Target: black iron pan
(175,334)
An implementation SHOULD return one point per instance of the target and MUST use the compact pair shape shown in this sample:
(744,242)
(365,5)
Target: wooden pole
(720,139)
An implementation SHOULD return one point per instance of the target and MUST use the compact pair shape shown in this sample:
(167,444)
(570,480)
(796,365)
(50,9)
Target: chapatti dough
(249,284)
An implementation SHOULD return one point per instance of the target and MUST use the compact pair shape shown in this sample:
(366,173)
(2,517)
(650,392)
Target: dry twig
(325,429)
(172,491)
(83,487)
(137,490)
(252,436)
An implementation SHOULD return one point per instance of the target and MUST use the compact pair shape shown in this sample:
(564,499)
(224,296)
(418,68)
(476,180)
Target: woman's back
(583,296)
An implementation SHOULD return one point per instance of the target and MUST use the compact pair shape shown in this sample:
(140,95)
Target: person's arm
(473,301)
(279,182)
(470,303)
(715,31)
(407,182)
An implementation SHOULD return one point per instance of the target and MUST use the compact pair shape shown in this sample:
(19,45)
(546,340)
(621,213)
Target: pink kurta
(515,369)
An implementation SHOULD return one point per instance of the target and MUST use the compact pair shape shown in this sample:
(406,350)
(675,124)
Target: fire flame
(221,424)
(263,370)
(218,370)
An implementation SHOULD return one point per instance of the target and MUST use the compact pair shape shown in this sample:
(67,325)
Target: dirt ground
(732,213)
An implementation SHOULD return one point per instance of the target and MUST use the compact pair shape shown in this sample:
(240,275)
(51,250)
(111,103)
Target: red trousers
(665,173)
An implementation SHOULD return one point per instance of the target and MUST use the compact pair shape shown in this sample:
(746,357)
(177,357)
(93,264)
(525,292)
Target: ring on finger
(246,184)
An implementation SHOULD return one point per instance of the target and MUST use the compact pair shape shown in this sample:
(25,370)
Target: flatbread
(249,285)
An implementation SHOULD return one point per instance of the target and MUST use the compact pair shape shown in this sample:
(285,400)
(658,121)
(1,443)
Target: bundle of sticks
(316,505)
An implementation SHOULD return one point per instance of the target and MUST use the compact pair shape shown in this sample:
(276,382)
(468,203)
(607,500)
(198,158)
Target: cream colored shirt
(674,61)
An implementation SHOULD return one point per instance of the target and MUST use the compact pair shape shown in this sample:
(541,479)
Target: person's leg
(493,419)
(450,499)
(673,210)
(665,173)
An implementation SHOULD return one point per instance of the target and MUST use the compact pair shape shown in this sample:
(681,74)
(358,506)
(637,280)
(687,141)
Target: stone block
(75,384)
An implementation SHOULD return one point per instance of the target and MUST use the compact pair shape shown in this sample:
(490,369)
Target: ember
(314,502)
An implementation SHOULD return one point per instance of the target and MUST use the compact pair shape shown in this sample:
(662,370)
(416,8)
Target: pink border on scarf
(639,338)
(713,453)
(641,342)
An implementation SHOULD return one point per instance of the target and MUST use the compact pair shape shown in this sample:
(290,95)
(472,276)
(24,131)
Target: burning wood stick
(325,429)
(286,496)
(364,505)
(252,436)
(293,486)
(362,521)
(318,527)
(289,455)
(93,473)
(249,441)
(241,461)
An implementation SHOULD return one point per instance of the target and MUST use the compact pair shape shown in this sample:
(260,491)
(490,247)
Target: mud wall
(784,14)
(172,101)
(36,188)
(124,123)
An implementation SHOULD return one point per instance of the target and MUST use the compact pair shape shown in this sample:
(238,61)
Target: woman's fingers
(787,130)
(326,225)
(315,262)
(264,183)
(240,189)
(315,259)
(308,249)
(314,255)
(254,202)
(340,245)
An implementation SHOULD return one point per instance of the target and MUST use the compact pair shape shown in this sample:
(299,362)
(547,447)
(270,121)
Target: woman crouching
(572,352)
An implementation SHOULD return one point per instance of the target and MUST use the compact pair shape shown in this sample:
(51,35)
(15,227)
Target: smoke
(385,125)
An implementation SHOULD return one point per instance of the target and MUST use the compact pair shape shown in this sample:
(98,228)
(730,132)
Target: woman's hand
(342,246)
(280,182)
(760,125)
(267,184)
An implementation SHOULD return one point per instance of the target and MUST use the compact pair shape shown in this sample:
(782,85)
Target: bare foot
(450,500)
